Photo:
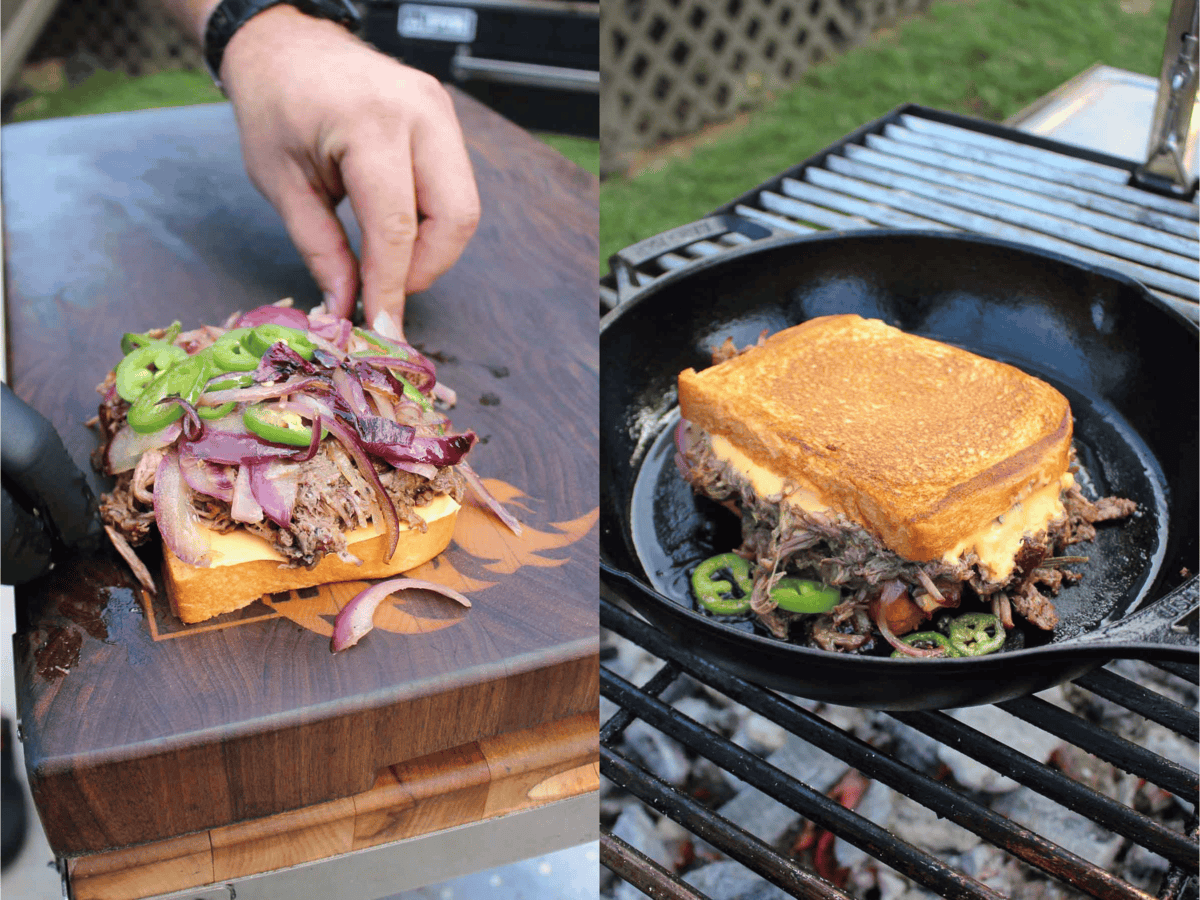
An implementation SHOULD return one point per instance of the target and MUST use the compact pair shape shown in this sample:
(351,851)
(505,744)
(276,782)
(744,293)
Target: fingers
(317,232)
(416,201)
(446,196)
(379,182)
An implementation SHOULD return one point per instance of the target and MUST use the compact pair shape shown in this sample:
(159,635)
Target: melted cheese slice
(237,547)
(996,544)
(766,482)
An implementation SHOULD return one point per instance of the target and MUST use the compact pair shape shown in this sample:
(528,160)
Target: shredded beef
(780,537)
(333,497)
(125,513)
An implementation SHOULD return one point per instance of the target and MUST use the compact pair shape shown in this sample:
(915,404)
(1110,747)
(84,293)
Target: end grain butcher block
(138,728)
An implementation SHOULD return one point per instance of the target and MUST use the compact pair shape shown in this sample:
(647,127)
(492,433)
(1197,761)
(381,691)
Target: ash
(851,869)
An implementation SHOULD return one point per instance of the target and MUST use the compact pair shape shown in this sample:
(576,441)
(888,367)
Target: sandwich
(278,452)
(909,476)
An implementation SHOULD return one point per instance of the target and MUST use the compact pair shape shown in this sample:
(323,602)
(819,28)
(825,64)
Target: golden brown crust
(199,593)
(918,441)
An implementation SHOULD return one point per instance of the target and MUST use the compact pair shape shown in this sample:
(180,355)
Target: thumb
(321,241)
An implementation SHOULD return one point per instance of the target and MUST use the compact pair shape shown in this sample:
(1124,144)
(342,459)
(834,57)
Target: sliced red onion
(281,361)
(333,329)
(127,446)
(234,449)
(350,390)
(906,649)
(481,491)
(274,315)
(211,479)
(357,617)
(269,494)
(261,392)
(233,422)
(314,441)
(440,450)
(244,507)
(425,470)
(420,371)
(326,355)
(177,521)
(193,425)
(383,403)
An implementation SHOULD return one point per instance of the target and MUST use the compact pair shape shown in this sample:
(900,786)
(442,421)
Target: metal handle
(625,263)
(1170,154)
(465,67)
(1170,620)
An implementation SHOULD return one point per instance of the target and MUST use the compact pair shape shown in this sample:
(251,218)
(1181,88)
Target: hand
(323,116)
(39,475)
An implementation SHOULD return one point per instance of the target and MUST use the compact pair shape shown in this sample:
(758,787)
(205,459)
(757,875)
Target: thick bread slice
(920,442)
(245,567)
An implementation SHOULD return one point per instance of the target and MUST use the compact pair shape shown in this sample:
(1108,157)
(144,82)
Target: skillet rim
(884,664)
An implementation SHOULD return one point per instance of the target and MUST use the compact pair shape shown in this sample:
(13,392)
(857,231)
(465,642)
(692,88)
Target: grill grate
(1038,851)
(925,169)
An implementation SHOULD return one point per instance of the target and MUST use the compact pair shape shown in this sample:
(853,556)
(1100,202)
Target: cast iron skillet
(1125,360)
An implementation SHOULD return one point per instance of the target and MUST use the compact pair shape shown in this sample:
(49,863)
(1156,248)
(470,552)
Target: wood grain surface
(496,776)
(137,728)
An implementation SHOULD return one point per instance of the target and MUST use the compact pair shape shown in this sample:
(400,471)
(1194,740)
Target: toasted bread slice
(921,443)
(245,567)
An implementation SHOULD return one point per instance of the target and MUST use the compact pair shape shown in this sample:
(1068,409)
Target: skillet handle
(625,264)
(1171,620)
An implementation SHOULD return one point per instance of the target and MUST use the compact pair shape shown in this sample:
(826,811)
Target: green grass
(103,92)
(985,58)
(583,152)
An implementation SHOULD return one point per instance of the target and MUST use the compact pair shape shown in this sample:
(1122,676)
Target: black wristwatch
(230,15)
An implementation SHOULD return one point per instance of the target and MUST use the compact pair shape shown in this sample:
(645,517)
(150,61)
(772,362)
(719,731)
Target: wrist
(229,19)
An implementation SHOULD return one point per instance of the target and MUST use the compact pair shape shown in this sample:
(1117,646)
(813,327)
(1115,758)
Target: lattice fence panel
(132,36)
(670,66)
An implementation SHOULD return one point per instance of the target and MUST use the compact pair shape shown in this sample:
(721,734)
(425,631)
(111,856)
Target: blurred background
(703,101)
(534,61)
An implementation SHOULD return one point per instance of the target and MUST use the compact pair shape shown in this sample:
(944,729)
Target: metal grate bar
(1154,221)
(808,212)
(772,221)
(620,720)
(1189,673)
(942,799)
(734,842)
(1055,785)
(1155,707)
(641,871)
(1042,163)
(1107,746)
(1012,148)
(880,215)
(1021,198)
(827,813)
(969,221)
(1074,236)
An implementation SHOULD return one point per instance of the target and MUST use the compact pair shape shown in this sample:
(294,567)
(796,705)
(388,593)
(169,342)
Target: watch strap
(230,15)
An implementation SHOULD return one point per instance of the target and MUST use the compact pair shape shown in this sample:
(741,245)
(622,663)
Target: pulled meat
(780,538)
(332,498)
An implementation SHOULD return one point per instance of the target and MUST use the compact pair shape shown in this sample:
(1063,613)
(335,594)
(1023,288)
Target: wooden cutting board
(137,728)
